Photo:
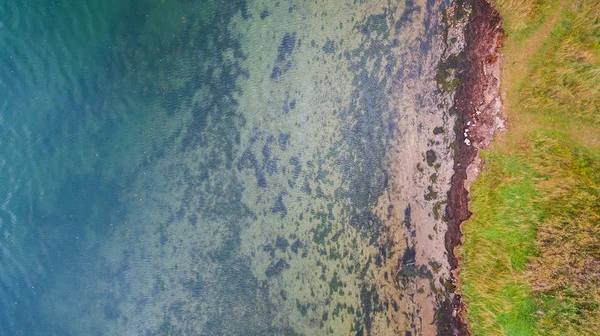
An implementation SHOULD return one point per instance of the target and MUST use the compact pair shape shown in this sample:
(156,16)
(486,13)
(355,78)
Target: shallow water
(221,167)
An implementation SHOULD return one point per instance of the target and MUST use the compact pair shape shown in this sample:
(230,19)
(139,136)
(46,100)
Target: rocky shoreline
(478,107)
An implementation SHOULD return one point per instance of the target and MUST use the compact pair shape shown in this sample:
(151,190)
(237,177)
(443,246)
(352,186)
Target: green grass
(531,254)
(498,243)
(535,228)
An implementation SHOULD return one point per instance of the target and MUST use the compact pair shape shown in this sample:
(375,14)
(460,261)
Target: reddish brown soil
(472,102)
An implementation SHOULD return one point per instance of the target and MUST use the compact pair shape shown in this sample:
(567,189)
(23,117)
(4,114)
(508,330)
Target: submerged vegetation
(531,255)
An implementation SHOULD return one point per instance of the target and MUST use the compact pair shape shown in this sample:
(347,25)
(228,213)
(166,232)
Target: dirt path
(516,70)
(516,64)
(517,55)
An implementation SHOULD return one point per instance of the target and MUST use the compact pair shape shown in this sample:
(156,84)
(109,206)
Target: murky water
(222,167)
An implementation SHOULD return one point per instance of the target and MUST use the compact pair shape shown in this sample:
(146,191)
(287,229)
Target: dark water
(200,167)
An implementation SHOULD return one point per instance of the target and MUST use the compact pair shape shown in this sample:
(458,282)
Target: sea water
(180,167)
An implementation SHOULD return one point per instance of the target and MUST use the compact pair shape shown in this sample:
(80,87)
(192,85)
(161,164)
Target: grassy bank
(531,256)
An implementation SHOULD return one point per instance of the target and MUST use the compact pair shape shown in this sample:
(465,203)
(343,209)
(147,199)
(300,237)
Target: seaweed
(276,268)
(329,47)
(265,14)
(284,51)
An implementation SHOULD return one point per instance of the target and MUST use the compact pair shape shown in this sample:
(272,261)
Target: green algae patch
(446,76)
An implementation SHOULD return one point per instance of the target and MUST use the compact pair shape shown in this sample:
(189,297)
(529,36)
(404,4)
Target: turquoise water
(206,167)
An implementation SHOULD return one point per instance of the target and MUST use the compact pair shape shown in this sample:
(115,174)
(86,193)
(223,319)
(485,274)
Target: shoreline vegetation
(530,256)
